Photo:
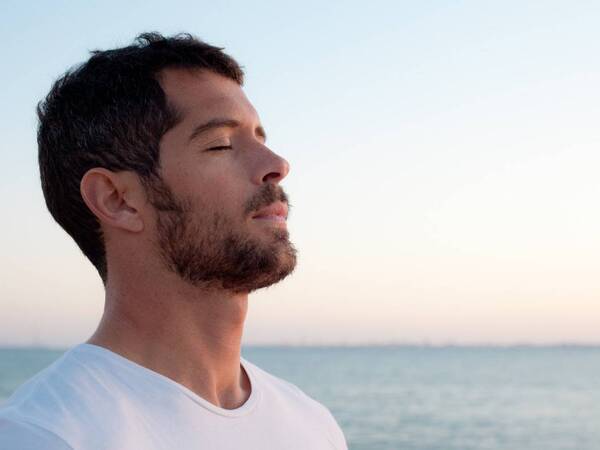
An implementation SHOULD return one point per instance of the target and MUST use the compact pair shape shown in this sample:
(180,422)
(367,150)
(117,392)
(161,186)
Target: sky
(444,159)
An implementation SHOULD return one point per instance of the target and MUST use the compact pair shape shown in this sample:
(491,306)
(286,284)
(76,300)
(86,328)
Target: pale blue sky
(444,164)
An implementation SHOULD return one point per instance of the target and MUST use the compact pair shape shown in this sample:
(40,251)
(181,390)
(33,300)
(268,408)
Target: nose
(273,169)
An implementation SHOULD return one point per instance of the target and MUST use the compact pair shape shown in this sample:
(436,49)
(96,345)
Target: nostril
(272,176)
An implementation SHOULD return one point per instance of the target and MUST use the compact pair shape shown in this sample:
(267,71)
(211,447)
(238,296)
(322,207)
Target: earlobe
(111,198)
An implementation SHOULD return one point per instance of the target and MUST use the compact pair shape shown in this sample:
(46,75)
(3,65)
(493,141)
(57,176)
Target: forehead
(202,94)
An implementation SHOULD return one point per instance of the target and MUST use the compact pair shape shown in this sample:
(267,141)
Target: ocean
(427,398)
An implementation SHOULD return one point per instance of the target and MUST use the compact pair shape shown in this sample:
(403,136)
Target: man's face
(217,174)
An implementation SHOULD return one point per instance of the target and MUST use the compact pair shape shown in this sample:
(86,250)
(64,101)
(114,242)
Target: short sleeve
(339,440)
(16,435)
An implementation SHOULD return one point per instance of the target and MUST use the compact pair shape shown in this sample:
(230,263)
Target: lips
(276,209)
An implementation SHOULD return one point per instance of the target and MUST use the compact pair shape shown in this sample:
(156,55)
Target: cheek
(218,185)
(219,192)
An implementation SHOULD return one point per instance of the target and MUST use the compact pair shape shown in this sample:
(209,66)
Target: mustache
(268,195)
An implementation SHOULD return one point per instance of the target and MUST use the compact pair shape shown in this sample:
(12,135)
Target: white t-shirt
(92,399)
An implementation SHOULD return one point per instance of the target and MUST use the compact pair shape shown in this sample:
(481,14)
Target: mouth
(276,212)
(280,219)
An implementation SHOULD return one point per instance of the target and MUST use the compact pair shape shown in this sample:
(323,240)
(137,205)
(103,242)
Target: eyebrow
(222,123)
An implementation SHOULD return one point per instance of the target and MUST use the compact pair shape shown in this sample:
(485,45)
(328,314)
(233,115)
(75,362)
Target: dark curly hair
(111,112)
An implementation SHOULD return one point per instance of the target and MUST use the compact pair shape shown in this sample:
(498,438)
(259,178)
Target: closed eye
(220,147)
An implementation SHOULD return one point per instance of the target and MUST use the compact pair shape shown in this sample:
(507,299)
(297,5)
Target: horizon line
(433,345)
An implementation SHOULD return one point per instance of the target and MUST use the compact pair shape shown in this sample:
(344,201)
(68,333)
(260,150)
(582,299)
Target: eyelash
(220,147)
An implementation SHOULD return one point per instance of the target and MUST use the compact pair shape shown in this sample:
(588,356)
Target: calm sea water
(422,398)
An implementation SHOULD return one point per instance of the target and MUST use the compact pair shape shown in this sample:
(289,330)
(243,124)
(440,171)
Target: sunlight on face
(216,173)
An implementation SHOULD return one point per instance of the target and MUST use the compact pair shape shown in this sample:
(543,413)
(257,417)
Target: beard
(213,254)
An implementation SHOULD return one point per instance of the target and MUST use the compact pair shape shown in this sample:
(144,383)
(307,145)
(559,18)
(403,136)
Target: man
(154,161)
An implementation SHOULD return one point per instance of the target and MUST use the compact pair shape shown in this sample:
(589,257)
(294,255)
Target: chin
(285,266)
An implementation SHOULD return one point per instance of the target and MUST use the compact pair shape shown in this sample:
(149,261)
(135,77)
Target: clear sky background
(444,165)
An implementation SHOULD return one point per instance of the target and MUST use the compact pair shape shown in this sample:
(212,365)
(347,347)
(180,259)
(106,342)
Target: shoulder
(274,386)
(287,397)
(25,436)
(278,387)
(64,400)
(58,384)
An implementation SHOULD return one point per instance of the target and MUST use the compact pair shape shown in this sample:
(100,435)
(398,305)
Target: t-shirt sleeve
(336,433)
(16,435)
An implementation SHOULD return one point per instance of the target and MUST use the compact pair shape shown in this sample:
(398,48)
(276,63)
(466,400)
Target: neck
(190,335)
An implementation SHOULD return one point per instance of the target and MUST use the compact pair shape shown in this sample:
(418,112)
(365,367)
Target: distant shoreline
(362,346)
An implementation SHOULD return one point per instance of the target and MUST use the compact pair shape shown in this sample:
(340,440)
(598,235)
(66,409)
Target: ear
(115,198)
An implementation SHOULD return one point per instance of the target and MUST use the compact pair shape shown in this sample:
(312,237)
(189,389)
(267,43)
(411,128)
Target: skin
(189,329)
